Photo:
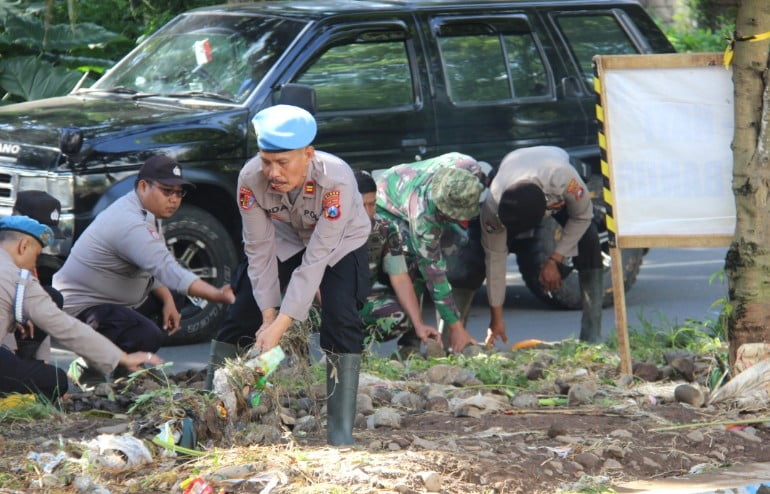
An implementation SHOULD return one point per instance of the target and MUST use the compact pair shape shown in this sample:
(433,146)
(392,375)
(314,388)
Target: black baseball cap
(521,207)
(41,207)
(163,169)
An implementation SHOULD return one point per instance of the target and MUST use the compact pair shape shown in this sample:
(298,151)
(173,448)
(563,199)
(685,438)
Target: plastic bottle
(264,364)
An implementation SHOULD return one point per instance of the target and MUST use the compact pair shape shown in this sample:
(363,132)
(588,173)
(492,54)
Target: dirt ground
(573,449)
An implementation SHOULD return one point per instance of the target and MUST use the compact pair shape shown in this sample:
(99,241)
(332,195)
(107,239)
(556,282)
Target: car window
(359,76)
(482,64)
(581,33)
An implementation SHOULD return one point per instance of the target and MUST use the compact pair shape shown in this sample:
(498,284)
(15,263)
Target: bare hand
(268,337)
(550,277)
(27,330)
(171,318)
(226,294)
(425,332)
(134,361)
(459,337)
(496,330)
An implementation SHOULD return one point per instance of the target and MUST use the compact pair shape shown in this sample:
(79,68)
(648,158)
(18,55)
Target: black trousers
(343,289)
(27,347)
(19,375)
(132,330)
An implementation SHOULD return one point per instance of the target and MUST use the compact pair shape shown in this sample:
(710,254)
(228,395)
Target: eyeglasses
(168,192)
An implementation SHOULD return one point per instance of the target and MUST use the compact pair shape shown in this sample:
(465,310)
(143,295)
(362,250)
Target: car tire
(531,256)
(201,244)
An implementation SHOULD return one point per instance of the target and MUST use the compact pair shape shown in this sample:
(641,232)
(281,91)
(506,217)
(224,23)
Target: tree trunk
(748,259)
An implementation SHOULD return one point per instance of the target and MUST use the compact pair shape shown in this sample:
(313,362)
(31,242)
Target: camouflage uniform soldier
(394,310)
(424,199)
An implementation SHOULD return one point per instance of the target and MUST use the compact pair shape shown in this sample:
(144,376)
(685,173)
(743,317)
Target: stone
(614,451)
(408,400)
(534,371)
(306,424)
(685,367)
(437,404)
(431,481)
(581,393)
(646,372)
(694,437)
(434,349)
(471,351)
(418,442)
(524,400)
(381,396)
(684,393)
(468,411)
(556,429)
(588,460)
(611,464)
(621,434)
(364,404)
(384,417)
(448,374)
(394,446)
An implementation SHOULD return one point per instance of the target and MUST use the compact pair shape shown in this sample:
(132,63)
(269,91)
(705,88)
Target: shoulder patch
(331,205)
(575,189)
(246,199)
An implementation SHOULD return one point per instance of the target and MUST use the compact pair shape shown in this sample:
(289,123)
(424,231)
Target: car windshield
(219,57)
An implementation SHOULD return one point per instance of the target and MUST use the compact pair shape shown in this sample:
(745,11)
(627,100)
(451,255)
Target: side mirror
(300,95)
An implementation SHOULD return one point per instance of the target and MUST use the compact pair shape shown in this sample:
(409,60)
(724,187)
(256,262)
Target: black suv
(396,81)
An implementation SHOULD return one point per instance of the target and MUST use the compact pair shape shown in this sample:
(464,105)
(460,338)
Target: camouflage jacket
(386,251)
(402,197)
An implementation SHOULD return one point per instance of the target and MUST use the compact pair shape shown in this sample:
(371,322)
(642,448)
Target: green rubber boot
(218,353)
(592,295)
(341,391)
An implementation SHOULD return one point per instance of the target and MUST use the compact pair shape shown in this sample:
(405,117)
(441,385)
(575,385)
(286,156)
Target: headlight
(58,186)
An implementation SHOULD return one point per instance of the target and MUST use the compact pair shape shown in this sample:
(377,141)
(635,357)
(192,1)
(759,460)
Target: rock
(381,396)
(437,404)
(611,464)
(561,386)
(650,462)
(621,433)
(685,367)
(394,446)
(646,372)
(259,434)
(360,422)
(468,411)
(384,417)
(448,374)
(114,429)
(524,400)
(306,404)
(471,350)
(306,424)
(424,443)
(364,404)
(672,355)
(408,400)
(747,434)
(581,393)
(588,460)
(103,390)
(534,371)
(556,429)
(614,451)
(432,390)
(684,393)
(431,481)
(434,349)
(375,445)
(625,380)
(695,437)
(404,489)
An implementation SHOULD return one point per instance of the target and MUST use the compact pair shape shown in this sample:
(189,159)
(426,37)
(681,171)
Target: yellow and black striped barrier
(606,194)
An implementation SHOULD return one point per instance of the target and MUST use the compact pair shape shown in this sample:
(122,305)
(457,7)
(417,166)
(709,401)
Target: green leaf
(32,78)
(29,31)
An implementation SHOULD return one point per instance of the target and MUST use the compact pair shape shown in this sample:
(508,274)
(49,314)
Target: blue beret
(284,127)
(25,224)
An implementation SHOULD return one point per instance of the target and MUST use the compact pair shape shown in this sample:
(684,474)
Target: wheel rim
(192,254)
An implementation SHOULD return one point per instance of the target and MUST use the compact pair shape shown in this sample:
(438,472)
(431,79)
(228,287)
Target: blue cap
(25,224)
(284,127)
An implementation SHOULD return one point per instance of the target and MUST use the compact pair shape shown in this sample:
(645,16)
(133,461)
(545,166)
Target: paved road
(673,285)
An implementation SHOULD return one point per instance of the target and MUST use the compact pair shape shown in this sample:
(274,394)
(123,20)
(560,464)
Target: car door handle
(419,142)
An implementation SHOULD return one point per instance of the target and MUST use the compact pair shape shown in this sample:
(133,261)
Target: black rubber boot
(592,295)
(341,391)
(217,354)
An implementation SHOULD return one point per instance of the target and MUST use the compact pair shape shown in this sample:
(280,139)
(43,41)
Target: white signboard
(668,133)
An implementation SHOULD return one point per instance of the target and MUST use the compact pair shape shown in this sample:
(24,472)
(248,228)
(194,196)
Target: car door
(501,86)
(372,107)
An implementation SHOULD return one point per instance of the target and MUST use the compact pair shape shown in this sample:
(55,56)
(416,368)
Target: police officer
(304,223)
(532,183)
(122,257)
(23,302)
(425,199)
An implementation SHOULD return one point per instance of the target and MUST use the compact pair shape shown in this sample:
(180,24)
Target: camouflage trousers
(383,317)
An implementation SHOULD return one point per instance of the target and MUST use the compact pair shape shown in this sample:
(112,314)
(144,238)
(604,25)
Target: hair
(365,182)
(11,236)
(521,207)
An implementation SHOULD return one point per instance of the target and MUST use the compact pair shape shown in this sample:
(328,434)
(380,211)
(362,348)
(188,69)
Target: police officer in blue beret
(24,302)
(305,231)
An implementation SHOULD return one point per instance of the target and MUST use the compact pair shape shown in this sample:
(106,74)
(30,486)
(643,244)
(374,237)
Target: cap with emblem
(521,207)
(163,169)
(283,128)
(25,224)
(456,193)
(40,206)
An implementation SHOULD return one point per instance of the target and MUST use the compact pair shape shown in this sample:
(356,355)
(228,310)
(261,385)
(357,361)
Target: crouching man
(24,303)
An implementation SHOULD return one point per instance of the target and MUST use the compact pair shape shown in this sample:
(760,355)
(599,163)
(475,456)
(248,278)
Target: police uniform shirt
(118,259)
(549,168)
(42,311)
(327,218)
